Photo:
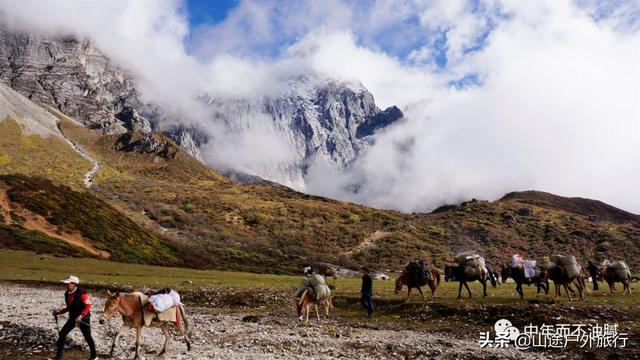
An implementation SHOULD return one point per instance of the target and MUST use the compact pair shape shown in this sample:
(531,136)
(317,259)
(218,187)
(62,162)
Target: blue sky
(402,37)
(206,12)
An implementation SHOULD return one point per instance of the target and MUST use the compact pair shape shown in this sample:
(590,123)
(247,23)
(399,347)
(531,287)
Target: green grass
(34,155)
(24,265)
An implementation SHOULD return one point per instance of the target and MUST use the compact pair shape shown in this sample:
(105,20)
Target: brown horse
(130,308)
(433,281)
(611,277)
(306,302)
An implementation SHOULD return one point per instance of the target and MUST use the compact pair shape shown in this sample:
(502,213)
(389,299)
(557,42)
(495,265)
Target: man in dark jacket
(78,306)
(593,271)
(366,293)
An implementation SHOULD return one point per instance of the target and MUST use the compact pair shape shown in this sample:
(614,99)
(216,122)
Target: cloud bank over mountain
(497,95)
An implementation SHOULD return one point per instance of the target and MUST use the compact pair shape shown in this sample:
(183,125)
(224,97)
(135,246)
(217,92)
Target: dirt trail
(38,223)
(88,177)
(367,242)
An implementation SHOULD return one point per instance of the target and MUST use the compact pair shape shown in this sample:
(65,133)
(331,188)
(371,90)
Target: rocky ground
(27,330)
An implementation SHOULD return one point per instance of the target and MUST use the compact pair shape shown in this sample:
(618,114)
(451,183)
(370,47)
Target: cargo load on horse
(616,271)
(470,266)
(528,266)
(316,285)
(163,300)
(568,263)
(417,271)
(619,268)
(524,272)
(472,262)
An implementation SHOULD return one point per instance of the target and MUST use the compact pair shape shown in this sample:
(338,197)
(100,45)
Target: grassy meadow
(28,266)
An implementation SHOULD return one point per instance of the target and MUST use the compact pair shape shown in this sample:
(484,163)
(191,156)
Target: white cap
(71,279)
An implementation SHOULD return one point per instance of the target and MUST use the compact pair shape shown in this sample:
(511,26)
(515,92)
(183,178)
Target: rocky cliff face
(72,76)
(76,78)
(329,119)
(316,118)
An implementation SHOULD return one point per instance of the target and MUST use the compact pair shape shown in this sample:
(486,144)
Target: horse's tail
(185,319)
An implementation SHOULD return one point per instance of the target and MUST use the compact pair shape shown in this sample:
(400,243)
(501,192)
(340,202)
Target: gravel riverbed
(27,330)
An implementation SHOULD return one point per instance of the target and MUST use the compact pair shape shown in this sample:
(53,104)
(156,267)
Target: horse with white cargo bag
(616,271)
(134,309)
(564,270)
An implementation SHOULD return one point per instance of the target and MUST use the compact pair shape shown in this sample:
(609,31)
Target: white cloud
(558,112)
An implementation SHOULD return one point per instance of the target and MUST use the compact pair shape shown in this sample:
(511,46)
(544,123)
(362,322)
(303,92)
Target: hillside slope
(593,208)
(39,215)
(263,227)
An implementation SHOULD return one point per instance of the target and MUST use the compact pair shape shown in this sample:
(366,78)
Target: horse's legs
(581,286)
(115,339)
(566,288)
(459,289)
(484,288)
(138,337)
(317,313)
(422,294)
(408,293)
(468,290)
(543,286)
(432,286)
(519,290)
(167,336)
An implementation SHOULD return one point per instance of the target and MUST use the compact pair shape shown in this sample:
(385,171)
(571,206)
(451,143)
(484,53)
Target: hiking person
(78,306)
(592,268)
(366,292)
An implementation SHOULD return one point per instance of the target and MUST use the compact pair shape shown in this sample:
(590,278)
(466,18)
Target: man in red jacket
(79,309)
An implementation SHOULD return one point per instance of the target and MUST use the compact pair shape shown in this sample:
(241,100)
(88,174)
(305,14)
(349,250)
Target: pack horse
(130,307)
